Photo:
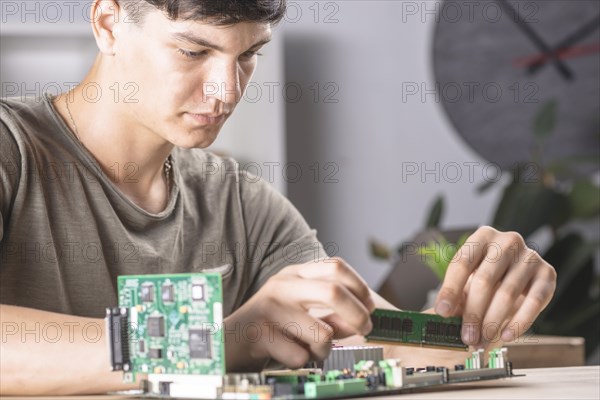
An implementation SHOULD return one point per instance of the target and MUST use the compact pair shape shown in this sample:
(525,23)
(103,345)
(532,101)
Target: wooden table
(539,383)
(541,351)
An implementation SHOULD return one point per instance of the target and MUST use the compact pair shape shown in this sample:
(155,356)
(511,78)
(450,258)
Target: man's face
(190,74)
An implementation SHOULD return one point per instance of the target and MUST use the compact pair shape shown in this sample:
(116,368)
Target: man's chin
(196,140)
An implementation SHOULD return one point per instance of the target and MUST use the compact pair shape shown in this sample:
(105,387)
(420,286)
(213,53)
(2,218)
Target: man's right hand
(297,312)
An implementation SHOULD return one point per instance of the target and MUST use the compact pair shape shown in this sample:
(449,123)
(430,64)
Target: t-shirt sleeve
(277,233)
(10,166)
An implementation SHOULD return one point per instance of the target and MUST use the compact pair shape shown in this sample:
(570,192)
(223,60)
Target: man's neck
(132,156)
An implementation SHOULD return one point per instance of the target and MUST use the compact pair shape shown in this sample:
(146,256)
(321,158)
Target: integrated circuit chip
(155,353)
(200,343)
(156,326)
(197,291)
(168,293)
(147,292)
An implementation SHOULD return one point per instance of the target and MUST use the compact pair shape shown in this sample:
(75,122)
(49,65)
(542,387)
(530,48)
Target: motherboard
(167,329)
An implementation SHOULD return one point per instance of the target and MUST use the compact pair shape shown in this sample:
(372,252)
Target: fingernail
(469,334)
(443,308)
(507,335)
(490,334)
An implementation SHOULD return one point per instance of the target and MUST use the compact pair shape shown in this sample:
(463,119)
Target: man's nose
(224,84)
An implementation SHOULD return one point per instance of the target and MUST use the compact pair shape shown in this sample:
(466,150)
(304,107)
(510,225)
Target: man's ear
(106,18)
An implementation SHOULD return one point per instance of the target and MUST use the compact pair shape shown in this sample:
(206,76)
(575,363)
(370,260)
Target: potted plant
(556,197)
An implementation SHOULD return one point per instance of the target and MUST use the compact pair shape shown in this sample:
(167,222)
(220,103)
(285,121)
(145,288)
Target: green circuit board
(414,328)
(174,324)
(169,327)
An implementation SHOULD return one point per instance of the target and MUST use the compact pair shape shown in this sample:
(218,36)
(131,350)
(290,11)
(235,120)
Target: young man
(93,190)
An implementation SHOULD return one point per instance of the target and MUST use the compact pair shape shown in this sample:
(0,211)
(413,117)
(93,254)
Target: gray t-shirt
(67,232)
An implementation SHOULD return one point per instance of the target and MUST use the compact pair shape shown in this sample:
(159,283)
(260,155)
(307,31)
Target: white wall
(373,135)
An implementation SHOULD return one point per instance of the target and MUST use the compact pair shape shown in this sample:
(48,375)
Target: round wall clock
(498,62)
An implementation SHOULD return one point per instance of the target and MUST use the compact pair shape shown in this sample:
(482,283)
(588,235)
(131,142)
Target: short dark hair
(220,12)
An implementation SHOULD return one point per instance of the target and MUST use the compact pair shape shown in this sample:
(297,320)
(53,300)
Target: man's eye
(192,54)
(250,54)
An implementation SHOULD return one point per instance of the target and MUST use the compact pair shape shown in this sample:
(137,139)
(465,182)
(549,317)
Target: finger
(289,353)
(466,259)
(498,342)
(336,269)
(537,298)
(485,280)
(516,306)
(512,287)
(311,333)
(460,307)
(341,329)
(309,294)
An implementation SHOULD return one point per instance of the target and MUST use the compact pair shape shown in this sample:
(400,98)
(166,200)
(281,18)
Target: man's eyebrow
(191,38)
(261,42)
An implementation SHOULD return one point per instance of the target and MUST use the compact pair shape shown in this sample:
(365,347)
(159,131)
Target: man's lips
(208,119)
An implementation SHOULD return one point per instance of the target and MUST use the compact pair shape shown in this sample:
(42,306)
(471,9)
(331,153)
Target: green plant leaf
(485,186)
(379,250)
(433,258)
(435,213)
(577,321)
(545,120)
(589,328)
(461,240)
(572,257)
(527,173)
(576,255)
(591,310)
(584,199)
(562,162)
(525,207)
(438,254)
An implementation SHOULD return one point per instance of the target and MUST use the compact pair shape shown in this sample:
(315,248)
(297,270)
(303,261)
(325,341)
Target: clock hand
(536,39)
(569,41)
(562,54)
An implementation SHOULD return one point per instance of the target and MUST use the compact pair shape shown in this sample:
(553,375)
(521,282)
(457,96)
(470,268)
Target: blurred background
(392,124)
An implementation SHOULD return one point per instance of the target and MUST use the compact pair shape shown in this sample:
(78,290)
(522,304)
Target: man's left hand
(498,285)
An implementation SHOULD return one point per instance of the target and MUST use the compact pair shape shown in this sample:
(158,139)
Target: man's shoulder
(22,117)
(14,114)
(22,108)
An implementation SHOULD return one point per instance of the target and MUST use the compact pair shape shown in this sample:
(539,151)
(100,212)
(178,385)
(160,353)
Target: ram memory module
(417,329)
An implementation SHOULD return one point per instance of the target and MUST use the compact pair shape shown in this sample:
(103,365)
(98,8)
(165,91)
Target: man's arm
(54,354)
